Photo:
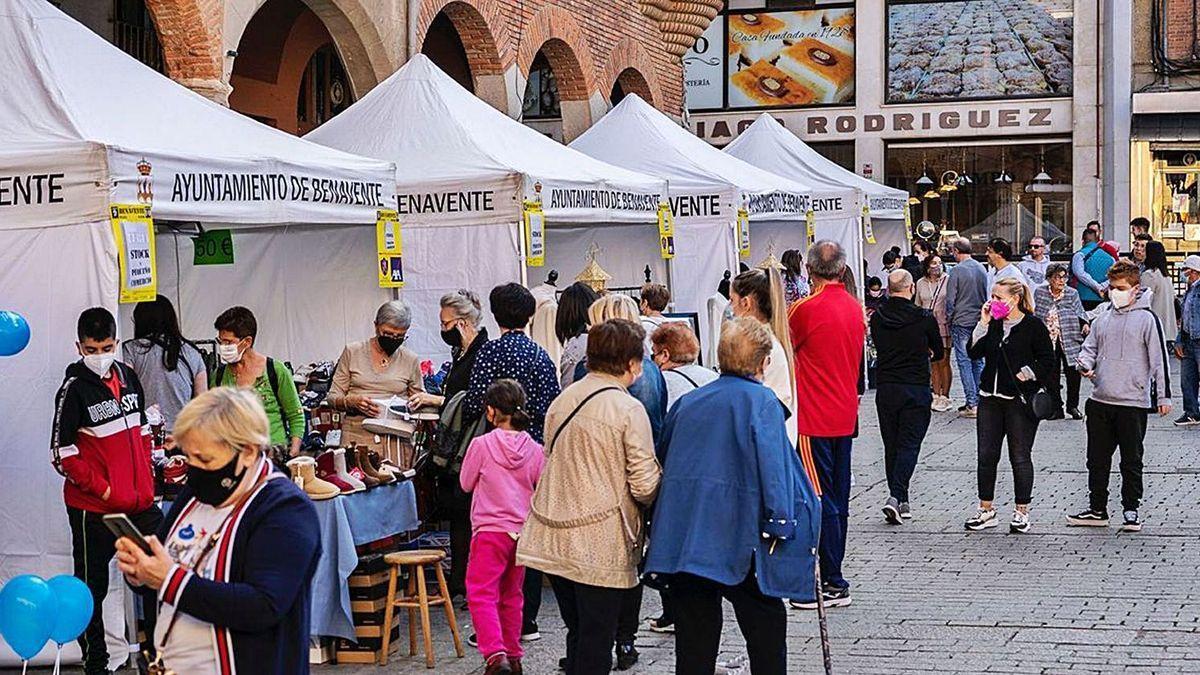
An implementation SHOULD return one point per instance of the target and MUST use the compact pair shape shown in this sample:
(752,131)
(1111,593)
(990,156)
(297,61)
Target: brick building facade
(255,54)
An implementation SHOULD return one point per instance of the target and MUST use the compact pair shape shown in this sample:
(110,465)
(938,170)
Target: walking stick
(826,649)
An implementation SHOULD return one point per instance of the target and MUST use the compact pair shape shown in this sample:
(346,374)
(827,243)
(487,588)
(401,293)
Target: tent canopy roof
(66,86)
(767,144)
(638,136)
(444,138)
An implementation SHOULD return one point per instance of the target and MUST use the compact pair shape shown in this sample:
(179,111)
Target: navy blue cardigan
(260,608)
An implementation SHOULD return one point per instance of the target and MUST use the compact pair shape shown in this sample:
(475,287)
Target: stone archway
(359,44)
(557,36)
(630,68)
(630,81)
(482,36)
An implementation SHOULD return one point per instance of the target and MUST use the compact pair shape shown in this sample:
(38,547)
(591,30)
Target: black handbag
(1040,404)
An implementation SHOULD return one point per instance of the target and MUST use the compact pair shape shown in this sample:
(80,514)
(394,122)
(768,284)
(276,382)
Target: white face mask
(99,364)
(229,354)
(1120,298)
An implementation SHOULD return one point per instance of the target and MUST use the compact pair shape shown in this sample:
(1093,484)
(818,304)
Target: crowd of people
(620,461)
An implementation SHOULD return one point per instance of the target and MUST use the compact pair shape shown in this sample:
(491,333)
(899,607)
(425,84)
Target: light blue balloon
(74,608)
(14,333)
(27,612)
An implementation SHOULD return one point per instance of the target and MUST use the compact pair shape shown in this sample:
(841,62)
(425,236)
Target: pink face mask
(999,309)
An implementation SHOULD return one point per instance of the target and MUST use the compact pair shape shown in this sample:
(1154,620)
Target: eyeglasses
(1037,246)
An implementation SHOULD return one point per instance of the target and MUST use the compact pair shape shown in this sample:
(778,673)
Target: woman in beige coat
(585,528)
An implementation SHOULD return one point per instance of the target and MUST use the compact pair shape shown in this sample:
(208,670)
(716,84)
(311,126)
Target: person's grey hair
(826,260)
(744,346)
(1056,269)
(899,281)
(963,245)
(465,304)
(394,313)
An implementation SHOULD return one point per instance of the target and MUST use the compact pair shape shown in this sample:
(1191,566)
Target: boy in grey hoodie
(1125,356)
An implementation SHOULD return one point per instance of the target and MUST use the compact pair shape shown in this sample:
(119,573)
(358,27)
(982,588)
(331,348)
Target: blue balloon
(14,333)
(27,611)
(74,608)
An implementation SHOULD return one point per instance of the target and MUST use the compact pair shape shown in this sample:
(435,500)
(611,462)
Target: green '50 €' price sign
(214,247)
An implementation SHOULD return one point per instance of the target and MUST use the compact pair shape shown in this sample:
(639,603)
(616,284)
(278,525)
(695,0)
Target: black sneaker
(530,633)
(562,663)
(473,640)
(891,511)
(627,656)
(905,511)
(982,520)
(1088,518)
(833,596)
(662,624)
(1074,414)
(1132,522)
(1187,420)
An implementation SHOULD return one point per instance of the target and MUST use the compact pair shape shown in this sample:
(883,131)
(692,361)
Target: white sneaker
(982,520)
(941,404)
(1020,522)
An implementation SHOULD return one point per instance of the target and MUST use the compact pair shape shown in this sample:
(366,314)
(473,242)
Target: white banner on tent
(59,184)
(887,206)
(777,205)
(470,202)
(690,208)
(232,190)
(573,202)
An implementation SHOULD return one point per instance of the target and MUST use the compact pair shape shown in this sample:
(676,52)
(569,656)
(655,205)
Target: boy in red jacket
(101,444)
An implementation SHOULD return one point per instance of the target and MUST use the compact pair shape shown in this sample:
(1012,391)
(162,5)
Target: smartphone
(120,525)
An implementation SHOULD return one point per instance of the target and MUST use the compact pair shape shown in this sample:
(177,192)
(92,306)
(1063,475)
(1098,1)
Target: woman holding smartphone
(1017,354)
(233,561)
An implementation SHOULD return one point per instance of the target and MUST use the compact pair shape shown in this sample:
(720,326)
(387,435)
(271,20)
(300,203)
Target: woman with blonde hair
(234,559)
(758,293)
(1018,358)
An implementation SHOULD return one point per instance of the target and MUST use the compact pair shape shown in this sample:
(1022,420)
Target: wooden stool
(416,598)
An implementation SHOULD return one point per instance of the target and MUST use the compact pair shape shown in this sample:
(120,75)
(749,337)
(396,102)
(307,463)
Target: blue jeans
(969,370)
(831,459)
(1189,377)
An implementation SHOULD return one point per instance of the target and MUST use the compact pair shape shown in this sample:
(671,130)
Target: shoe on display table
(304,472)
(327,470)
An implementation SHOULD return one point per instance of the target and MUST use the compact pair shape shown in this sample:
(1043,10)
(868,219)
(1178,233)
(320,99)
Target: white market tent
(463,171)
(706,189)
(84,125)
(768,145)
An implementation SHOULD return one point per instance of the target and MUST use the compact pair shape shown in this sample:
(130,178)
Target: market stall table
(346,522)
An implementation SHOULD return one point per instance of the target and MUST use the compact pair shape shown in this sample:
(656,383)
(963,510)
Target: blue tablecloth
(346,522)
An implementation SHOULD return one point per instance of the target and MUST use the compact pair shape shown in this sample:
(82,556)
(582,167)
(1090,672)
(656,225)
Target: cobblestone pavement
(929,597)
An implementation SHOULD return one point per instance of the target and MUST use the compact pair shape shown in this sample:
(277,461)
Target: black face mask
(213,486)
(452,337)
(389,344)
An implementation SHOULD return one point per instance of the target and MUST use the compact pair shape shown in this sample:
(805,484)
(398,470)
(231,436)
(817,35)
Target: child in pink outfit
(501,469)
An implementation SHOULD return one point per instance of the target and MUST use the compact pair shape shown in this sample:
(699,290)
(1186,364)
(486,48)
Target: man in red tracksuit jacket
(828,331)
(101,444)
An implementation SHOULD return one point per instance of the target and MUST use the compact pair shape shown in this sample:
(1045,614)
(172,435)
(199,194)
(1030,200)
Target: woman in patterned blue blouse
(513,355)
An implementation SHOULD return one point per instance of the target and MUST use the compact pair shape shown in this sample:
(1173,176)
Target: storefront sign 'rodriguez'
(720,128)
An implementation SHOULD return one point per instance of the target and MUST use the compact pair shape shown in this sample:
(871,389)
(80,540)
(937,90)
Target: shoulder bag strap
(1166,364)
(684,376)
(571,416)
(214,538)
(273,379)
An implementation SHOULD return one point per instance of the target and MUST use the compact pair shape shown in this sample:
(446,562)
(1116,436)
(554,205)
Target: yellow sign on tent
(389,248)
(535,234)
(133,230)
(666,232)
